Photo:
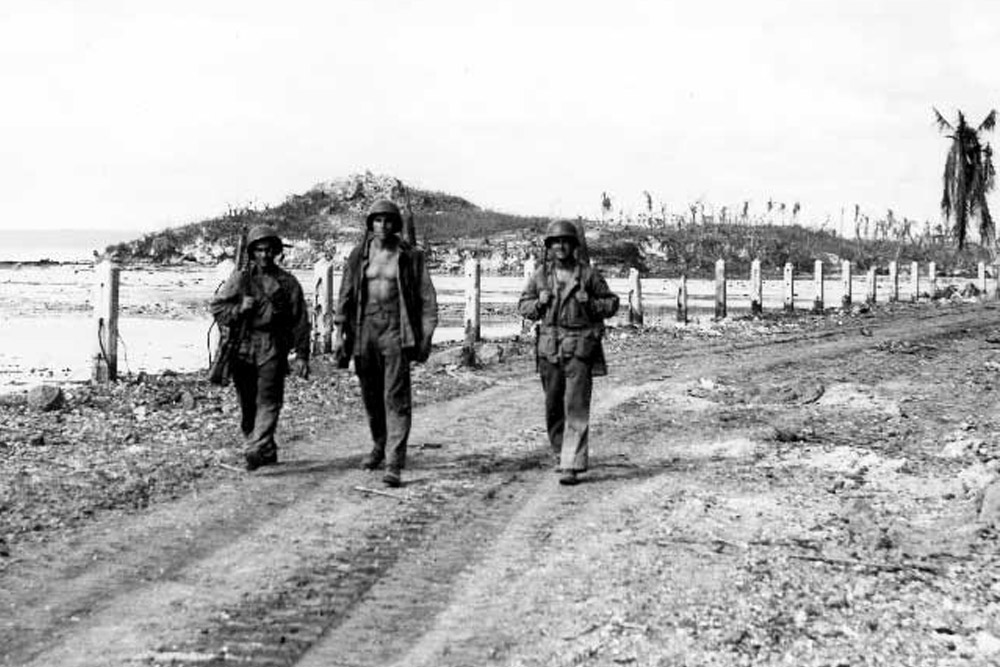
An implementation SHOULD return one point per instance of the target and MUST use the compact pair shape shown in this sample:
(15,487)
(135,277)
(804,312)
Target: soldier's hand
(544,297)
(582,296)
(247,304)
(301,368)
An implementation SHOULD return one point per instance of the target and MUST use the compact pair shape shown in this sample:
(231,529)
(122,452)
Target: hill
(327,220)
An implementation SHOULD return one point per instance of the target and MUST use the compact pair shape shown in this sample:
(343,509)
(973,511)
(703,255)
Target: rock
(187,400)
(989,507)
(37,440)
(958,448)
(488,354)
(987,644)
(46,397)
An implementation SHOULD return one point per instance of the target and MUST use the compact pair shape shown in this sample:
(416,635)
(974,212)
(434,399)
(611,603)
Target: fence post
(915,281)
(323,300)
(789,279)
(682,300)
(870,287)
(982,279)
(756,289)
(634,298)
(106,280)
(472,297)
(845,278)
(893,282)
(932,278)
(996,281)
(720,289)
(818,299)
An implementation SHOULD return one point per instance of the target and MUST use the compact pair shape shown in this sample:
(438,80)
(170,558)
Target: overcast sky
(141,115)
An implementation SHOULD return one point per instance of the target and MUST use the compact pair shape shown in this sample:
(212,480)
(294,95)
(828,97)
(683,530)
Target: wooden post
(893,282)
(932,278)
(529,268)
(789,281)
(981,274)
(634,298)
(870,287)
(996,281)
(472,295)
(106,280)
(818,286)
(845,279)
(720,289)
(682,300)
(756,289)
(323,305)
(915,281)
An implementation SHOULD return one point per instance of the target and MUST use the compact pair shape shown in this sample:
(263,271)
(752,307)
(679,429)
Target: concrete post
(870,295)
(106,282)
(932,278)
(789,282)
(818,300)
(720,289)
(893,282)
(634,298)
(472,298)
(756,289)
(682,300)
(323,306)
(845,279)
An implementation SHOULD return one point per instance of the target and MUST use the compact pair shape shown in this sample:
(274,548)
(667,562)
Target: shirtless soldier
(386,316)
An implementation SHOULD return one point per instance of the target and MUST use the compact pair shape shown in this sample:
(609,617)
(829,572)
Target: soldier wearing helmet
(267,305)
(386,316)
(570,301)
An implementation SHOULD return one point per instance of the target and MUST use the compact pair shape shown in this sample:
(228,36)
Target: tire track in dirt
(450,523)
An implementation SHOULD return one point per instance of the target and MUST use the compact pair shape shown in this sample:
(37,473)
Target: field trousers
(260,388)
(384,372)
(567,384)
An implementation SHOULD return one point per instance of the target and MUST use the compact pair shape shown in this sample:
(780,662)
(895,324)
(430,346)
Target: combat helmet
(262,233)
(561,229)
(385,207)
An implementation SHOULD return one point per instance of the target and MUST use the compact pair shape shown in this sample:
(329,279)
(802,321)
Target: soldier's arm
(603,302)
(531,305)
(225,305)
(428,299)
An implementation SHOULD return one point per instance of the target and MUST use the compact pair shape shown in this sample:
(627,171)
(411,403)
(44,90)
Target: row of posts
(107,275)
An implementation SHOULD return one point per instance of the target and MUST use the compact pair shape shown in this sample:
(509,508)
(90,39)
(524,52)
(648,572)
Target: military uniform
(384,337)
(570,302)
(276,325)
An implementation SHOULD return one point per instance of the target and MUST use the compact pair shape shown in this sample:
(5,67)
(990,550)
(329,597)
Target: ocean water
(48,332)
(59,245)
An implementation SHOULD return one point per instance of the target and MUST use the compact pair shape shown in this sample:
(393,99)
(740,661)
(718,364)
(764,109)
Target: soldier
(386,316)
(267,307)
(570,300)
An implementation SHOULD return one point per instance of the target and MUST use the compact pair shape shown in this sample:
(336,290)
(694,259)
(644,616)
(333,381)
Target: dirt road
(805,497)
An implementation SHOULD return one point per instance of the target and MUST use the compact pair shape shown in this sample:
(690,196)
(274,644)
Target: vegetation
(329,217)
(968,176)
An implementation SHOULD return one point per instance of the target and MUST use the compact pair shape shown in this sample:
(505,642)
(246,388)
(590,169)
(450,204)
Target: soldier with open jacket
(570,301)
(386,315)
(265,306)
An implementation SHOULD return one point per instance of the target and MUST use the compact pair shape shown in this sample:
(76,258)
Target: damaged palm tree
(968,177)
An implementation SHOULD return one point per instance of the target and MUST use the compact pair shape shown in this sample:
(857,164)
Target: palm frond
(989,122)
(940,121)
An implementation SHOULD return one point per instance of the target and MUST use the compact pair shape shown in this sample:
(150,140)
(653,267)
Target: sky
(143,115)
